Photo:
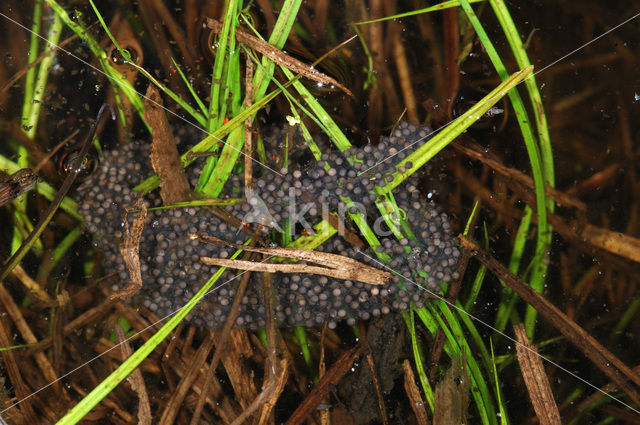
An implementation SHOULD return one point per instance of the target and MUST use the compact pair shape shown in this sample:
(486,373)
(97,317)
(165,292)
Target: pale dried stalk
(337,266)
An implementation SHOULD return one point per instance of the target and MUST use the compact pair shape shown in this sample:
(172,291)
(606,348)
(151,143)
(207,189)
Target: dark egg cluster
(170,258)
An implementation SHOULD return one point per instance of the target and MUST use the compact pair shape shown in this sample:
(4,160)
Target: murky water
(400,70)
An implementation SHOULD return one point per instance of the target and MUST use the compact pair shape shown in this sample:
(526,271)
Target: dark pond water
(426,69)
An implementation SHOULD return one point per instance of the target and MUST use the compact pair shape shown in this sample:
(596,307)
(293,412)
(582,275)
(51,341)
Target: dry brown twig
(172,407)
(331,378)
(33,287)
(130,251)
(558,196)
(615,242)
(415,399)
(606,361)
(27,334)
(276,372)
(278,56)
(248,139)
(382,410)
(339,266)
(220,346)
(136,380)
(536,380)
(12,369)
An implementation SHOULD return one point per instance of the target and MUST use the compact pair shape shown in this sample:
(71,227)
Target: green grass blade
(447,134)
(534,158)
(504,420)
(509,297)
(326,122)
(323,231)
(475,336)
(217,170)
(30,121)
(440,6)
(544,143)
(306,135)
(226,41)
(456,346)
(125,53)
(318,113)
(522,59)
(224,164)
(475,287)
(175,97)
(214,138)
(186,81)
(61,249)
(278,37)
(303,342)
(112,74)
(409,318)
(630,312)
(33,55)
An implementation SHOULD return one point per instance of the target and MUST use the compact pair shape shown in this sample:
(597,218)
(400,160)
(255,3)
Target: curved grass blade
(440,6)
(409,318)
(427,151)
(112,74)
(456,345)
(544,230)
(544,141)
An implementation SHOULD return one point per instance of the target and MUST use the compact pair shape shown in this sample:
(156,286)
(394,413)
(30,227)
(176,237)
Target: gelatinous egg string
(170,260)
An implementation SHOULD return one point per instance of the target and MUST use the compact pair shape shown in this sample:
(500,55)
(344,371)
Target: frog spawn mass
(172,271)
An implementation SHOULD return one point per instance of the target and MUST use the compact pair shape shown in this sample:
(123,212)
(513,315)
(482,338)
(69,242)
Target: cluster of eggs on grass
(171,267)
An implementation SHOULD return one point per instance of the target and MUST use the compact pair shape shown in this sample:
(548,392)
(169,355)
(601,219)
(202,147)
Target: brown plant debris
(559,197)
(21,389)
(279,57)
(615,242)
(536,380)
(376,385)
(136,380)
(16,184)
(165,160)
(606,361)
(333,376)
(236,370)
(339,266)
(34,287)
(278,386)
(415,399)
(130,251)
(172,406)
(451,399)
